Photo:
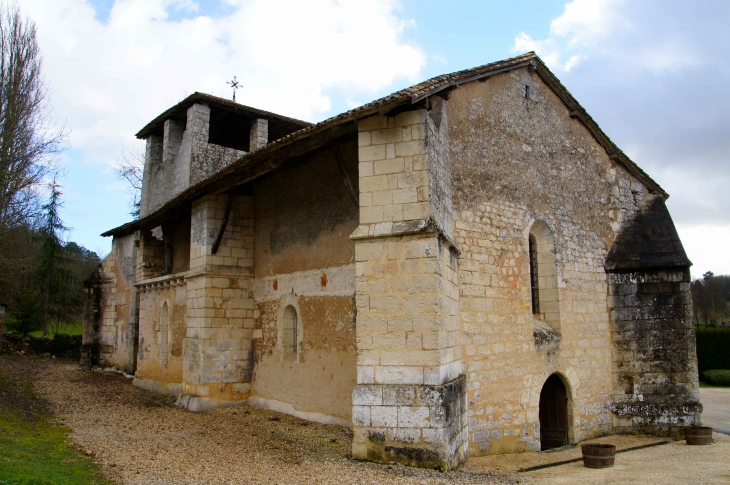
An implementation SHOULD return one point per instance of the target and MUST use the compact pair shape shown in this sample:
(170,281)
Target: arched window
(534,279)
(164,328)
(544,275)
(289,333)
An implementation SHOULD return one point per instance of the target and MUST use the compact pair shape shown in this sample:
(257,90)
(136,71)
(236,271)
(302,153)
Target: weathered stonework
(408,330)
(652,328)
(466,267)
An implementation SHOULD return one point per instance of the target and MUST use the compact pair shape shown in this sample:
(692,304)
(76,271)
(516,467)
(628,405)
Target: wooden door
(553,414)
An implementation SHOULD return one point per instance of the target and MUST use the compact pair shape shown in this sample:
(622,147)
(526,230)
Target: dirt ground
(138,437)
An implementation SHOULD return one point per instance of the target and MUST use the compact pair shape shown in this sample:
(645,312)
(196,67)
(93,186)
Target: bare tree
(129,168)
(28,142)
(27,139)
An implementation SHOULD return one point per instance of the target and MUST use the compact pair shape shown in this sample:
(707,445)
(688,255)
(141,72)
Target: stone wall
(110,333)
(166,372)
(221,314)
(182,157)
(408,405)
(652,326)
(520,163)
(305,259)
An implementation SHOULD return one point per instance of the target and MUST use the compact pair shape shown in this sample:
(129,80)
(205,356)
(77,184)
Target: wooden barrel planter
(598,455)
(698,435)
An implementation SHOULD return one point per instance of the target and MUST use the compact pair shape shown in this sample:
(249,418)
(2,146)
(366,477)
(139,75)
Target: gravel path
(139,437)
(716,413)
(672,464)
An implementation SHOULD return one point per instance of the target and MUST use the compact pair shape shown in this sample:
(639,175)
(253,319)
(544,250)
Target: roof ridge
(413,94)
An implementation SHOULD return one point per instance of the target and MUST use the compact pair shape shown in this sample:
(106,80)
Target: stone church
(468,266)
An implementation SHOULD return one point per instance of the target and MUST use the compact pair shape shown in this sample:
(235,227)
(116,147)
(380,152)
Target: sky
(654,74)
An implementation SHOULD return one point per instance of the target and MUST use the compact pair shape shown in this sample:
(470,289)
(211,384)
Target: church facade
(467,266)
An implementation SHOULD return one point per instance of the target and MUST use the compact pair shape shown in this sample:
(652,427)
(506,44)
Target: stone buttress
(652,329)
(409,403)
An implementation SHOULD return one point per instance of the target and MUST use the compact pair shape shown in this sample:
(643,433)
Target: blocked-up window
(289,334)
(164,330)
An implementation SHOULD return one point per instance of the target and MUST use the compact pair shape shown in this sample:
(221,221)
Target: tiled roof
(180,109)
(412,94)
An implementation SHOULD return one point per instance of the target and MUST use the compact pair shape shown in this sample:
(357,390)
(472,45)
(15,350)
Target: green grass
(75,328)
(35,452)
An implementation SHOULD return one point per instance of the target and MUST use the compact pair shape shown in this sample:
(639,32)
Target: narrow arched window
(164,328)
(544,290)
(289,333)
(534,279)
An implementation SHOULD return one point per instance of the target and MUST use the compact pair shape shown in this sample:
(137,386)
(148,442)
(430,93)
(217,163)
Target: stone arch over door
(554,413)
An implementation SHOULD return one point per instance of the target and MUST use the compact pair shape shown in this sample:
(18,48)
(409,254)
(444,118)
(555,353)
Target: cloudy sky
(654,74)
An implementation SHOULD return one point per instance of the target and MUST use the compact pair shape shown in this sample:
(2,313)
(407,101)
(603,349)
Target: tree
(27,141)
(130,168)
(55,279)
(709,298)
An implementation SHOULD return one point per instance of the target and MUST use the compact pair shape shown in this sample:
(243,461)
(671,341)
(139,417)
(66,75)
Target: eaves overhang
(314,136)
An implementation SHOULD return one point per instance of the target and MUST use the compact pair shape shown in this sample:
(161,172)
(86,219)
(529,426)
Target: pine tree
(55,279)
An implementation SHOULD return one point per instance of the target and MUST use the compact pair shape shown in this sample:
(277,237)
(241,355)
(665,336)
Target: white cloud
(586,22)
(703,244)
(582,25)
(648,74)
(109,78)
(589,26)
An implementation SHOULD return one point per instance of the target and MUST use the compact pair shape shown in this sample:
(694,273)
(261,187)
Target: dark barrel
(698,435)
(598,455)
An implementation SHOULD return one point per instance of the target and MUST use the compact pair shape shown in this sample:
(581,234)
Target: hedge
(713,348)
(718,377)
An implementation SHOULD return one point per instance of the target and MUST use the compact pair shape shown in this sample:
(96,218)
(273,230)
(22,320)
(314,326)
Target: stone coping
(427,227)
(165,281)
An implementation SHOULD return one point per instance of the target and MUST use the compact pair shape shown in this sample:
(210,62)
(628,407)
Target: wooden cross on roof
(234,85)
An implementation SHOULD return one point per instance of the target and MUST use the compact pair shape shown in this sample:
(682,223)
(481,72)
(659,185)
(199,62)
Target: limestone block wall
(161,332)
(109,336)
(519,162)
(506,365)
(408,326)
(393,173)
(409,360)
(221,315)
(259,135)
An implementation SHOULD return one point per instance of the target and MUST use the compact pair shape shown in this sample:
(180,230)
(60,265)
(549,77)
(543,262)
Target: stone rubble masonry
(110,303)
(654,356)
(182,157)
(407,297)
(259,134)
(505,366)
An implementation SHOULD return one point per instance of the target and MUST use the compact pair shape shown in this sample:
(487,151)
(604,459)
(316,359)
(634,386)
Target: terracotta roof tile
(411,94)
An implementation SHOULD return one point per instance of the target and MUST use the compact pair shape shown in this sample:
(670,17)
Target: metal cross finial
(234,85)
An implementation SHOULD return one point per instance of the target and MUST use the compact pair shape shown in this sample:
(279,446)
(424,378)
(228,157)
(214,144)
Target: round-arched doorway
(553,413)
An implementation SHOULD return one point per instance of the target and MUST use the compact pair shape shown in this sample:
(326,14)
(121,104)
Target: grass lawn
(75,328)
(33,451)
